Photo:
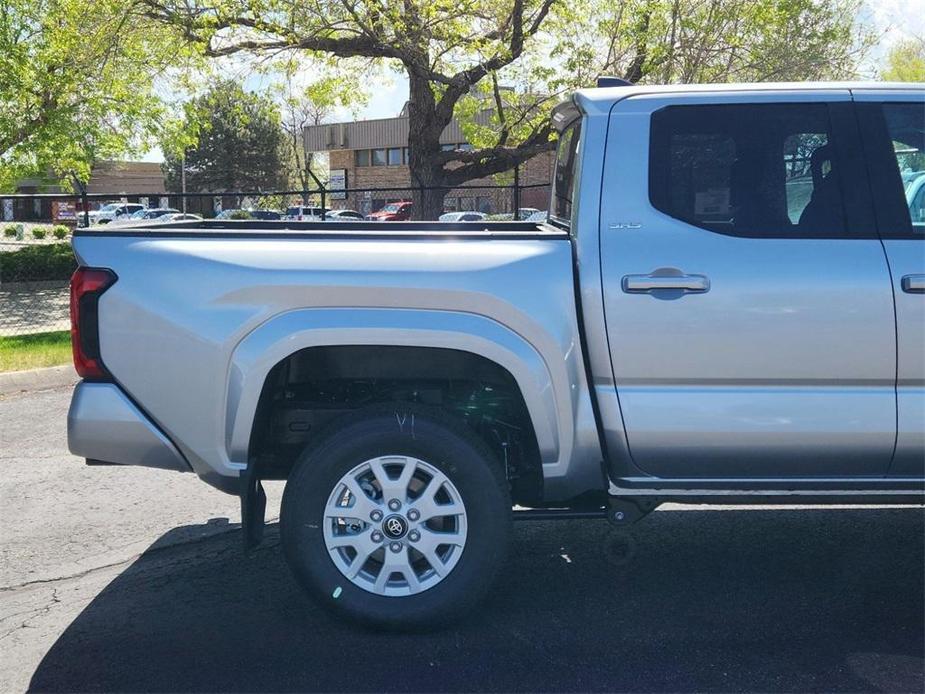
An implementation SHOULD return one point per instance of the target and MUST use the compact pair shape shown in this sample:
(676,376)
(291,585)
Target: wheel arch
(259,352)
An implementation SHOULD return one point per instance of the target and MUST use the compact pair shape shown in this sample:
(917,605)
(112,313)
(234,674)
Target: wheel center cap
(395,527)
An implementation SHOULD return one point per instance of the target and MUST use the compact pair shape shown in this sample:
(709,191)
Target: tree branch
(494,160)
(196,30)
(462,81)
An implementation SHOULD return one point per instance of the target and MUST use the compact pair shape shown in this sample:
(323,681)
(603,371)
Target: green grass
(20,352)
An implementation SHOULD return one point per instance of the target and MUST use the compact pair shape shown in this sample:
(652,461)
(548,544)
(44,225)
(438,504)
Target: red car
(393,212)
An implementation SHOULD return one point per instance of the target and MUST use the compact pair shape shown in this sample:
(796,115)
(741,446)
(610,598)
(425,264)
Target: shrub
(10,231)
(39,232)
(59,231)
(240,214)
(54,261)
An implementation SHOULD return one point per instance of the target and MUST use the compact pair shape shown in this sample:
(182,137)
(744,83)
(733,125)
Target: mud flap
(253,507)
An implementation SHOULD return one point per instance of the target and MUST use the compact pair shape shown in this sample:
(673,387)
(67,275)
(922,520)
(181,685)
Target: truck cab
(752,279)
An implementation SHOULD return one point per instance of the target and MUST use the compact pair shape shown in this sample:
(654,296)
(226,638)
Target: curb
(37,379)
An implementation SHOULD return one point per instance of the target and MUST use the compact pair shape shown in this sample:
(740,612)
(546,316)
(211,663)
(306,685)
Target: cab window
(565,183)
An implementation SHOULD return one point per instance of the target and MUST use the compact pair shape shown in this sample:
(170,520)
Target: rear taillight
(87,284)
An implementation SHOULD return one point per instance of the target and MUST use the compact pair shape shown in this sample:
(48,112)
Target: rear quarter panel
(193,324)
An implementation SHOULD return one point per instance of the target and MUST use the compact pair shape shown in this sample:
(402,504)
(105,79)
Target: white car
(302,213)
(180,217)
(342,216)
(112,211)
(145,216)
(467,216)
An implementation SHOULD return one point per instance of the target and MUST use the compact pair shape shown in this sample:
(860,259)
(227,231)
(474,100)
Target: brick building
(374,154)
(121,179)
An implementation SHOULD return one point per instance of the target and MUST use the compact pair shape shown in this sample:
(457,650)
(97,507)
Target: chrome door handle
(913,284)
(654,282)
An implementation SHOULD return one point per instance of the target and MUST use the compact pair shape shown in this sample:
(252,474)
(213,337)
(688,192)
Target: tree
(905,62)
(75,83)
(312,103)
(698,41)
(240,143)
(300,111)
(459,55)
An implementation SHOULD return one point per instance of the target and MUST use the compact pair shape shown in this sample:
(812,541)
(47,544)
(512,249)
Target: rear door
(747,296)
(893,127)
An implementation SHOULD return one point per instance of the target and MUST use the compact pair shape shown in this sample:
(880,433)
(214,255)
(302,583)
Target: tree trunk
(424,132)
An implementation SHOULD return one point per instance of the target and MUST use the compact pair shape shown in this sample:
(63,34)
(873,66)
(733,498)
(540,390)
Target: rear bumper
(104,425)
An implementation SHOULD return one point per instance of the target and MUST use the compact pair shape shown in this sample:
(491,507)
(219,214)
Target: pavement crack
(38,612)
(152,551)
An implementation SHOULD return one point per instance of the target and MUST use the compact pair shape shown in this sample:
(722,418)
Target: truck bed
(195,302)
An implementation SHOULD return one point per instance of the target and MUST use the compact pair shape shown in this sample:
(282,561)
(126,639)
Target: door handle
(678,282)
(913,284)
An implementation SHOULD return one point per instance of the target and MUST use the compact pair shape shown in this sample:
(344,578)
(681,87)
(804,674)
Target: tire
(434,583)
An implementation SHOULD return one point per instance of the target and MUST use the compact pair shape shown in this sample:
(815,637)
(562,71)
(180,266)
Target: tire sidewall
(454,451)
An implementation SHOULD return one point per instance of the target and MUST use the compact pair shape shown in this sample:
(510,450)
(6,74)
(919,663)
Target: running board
(545,514)
(767,488)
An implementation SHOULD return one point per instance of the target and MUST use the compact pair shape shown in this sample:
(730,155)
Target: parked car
(523,213)
(157,213)
(342,216)
(303,213)
(113,211)
(252,213)
(683,340)
(468,216)
(180,217)
(144,215)
(538,216)
(393,212)
(915,199)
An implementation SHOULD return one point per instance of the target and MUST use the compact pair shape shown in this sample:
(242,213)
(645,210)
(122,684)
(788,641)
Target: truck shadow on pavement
(769,600)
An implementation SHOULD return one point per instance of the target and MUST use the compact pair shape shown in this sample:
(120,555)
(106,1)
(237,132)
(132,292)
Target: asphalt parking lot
(121,579)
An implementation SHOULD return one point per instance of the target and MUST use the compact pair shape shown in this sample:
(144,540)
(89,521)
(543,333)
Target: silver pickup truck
(726,304)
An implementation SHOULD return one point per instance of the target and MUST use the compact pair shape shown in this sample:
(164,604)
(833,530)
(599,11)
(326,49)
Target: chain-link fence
(36,261)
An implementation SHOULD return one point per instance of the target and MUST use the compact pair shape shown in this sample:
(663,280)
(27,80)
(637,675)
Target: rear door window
(754,170)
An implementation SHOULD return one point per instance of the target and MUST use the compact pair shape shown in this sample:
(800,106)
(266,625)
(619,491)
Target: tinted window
(378,157)
(747,170)
(564,185)
(395,156)
(905,125)
(362,157)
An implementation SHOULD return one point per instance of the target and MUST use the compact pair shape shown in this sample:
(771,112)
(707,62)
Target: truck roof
(600,100)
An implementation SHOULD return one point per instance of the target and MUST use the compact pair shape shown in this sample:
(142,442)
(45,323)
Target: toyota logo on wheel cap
(395,527)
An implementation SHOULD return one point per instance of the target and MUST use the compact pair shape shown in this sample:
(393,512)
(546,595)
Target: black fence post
(321,191)
(517,192)
(84,202)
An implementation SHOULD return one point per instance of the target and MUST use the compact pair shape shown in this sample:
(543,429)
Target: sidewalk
(37,379)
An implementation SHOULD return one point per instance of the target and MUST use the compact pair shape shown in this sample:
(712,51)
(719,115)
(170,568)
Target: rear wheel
(397,518)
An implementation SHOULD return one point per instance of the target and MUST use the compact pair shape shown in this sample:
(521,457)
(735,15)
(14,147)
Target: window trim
(857,205)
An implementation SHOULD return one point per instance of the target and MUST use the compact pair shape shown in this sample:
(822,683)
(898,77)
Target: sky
(894,20)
